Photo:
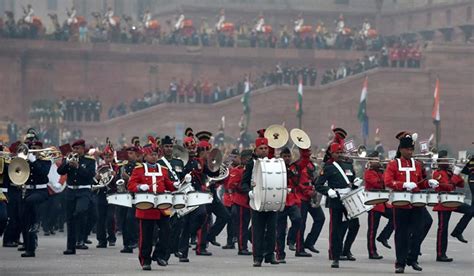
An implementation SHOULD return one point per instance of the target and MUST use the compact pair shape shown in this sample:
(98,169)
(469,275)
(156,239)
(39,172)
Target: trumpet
(72,157)
(5,155)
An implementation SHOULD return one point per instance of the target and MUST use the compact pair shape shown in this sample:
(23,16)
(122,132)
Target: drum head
(401,203)
(376,201)
(179,206)
(144,205)
(451,204)
(164,206)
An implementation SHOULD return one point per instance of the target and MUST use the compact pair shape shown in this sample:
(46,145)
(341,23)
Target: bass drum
(270,190)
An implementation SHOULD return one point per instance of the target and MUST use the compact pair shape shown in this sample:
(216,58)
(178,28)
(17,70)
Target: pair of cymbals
(277,137)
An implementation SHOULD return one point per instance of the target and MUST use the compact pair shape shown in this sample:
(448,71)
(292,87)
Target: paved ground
(110,261)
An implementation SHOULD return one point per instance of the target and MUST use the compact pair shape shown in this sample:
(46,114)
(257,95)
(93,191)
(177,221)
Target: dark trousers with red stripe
(241,217)
(409,231)
(192,223)
(351,228)
(442,234)
(427,222)
(230,227)
(146,241)
(263,235)
(106,223)
(294,213)
(373,222)
(336,232)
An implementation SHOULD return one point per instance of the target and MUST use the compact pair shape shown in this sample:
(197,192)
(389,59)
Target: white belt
(79,187)
(35,187)
(5,190)
(343,191)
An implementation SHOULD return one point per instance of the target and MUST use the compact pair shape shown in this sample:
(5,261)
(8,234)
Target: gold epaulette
(138,165)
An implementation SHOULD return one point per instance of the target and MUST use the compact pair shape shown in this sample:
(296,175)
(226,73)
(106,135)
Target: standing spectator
(97,109)
(70,107)
(216,93)
(206,90)
(403,53)
(417,56)
(173,89)
(181,91)
(279,74)
(313,75)
(83,30)
(89,108)
(63,108)
(12,131)
(384,54)
(79,109)
(198,91)
(394,56)
(190,92)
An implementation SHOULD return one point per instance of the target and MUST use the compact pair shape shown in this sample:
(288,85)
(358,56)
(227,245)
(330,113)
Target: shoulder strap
(170,168)
(338,167)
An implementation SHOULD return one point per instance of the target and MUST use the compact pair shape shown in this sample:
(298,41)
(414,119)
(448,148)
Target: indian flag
(362,114)
(246,96)
(435,113)
(299,103)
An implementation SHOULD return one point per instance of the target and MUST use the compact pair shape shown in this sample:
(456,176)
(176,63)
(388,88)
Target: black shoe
(52,232)
(61,230)
(28,254)
(21,248)
(444,259)
(111,243)
(146,267)
(204,253)
(459,237)
(88,242)
(244,252)
(349,256)
(415,266)
(215,243)
(161,262)
(101,245)
(292,247)
(257,263)
(178,254)
(10,244)
(399,270)
(133,245)
(420,254)
(335,264)
(81,246)
(375,257)
(193,241)
(228,246)
(69,252)
(272,261)
(183,260)
(281,261)
(47,233)
(312,249)
(126,250)
(303,254)
(384,243)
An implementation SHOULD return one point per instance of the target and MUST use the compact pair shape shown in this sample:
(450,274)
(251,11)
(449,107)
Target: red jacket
(374,181)
(163,184)
(447,183)
(228,192)
(394,54)
(395,178)
(305,174)
(292,185)
(235,183)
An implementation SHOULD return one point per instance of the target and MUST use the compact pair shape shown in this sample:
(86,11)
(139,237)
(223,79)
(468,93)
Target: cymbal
(300,138)
(277,136)
(19,171)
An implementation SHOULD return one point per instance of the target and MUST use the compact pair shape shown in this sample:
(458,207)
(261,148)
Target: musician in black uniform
(340,176)
(36,192)
(263,223)
(4,185)
(466,218)
(175,173)
(80,174)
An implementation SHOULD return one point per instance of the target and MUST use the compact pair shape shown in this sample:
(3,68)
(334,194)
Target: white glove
(251,194)
(433,183)
(409,185)
(332,193)
(176,184)
(143,187)
(358,182)
(457,170)
(31,157)
(188,178)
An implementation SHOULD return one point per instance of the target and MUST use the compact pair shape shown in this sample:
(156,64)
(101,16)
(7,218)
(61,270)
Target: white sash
(168,165)
(153,175)
(407,170)
(342,172)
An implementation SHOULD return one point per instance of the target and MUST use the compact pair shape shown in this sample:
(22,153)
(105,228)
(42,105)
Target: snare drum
(120,199)
(179,201)
(270,191)
(164,201)
(419,199)
(451,199)
(433,199)
(400,198)
(198,198)
(144,201)
(374,197)
(354,203)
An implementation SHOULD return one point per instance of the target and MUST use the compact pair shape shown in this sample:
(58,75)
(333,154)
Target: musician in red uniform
(151,177)
(241,208)
(373,178)
(228,201)
(449,180)
(405,174)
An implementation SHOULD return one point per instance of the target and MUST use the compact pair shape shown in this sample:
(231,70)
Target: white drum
(419,199)
(354,203)
(270,186)
(374,197)
(432,199)
(400,198)
(163,201)
(120,199)
(198,198)
(451,199)
(144,201)
(179,200)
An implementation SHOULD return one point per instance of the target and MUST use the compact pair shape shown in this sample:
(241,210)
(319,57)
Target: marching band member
(80,173)
(406,174)
(4,185)
(241,207)
(150,176)
(227,200)
(373,177)
(263,223)
(36,193)
(448,180)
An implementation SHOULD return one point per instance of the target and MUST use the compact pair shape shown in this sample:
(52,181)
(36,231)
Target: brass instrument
(360,155)
(106,176)
(72,157)
(179,152)
(19,171)
(5,156)
(214,160)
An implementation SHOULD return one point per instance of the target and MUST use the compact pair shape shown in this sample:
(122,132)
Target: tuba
(106,176)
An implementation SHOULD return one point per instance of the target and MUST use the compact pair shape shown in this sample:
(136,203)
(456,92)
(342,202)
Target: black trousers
(468,212)
(77,204)
(409,231)
(242,220)
(13,228)
(222,218)
(146,241)
(337,228)
(192,223)
(128,224)
(105,222)
(442,234)
(230,227)
(263,234)
(176,224)
(29,217)
(373,221)
(3,216)
(294,213)
(351,228)
(427,222)
(318,221)
(90,219)
(51,212)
